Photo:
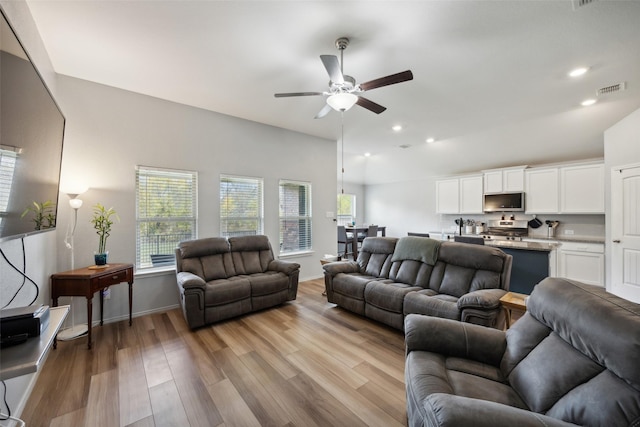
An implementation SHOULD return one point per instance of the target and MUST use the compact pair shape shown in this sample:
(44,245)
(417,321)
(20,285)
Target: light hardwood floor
(305,363)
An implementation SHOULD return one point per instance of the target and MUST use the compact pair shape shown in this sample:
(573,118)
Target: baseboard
(136,314)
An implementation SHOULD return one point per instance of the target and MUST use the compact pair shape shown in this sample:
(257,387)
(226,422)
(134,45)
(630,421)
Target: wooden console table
(85,282)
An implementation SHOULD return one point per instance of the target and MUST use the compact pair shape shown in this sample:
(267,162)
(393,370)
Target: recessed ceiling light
(367,154)
(588,102)
(578,72)
(430,140)
(397,128)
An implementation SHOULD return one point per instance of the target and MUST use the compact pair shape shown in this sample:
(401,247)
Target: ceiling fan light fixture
(342,101)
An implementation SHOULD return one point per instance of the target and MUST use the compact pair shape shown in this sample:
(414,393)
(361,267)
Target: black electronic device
(16,322)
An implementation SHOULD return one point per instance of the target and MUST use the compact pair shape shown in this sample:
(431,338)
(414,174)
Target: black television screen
(31,136)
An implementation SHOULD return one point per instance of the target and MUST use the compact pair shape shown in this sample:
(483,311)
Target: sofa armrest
(454,338)
(445,410)
(286,267)
(487,299)
(337,267)
(188,280)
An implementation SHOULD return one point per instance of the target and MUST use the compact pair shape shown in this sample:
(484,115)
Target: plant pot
(101,259)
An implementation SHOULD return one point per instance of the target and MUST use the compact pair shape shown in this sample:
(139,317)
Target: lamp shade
(342,101)
(75,203)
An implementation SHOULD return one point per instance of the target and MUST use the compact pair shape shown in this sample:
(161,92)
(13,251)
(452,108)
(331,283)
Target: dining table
(357,229)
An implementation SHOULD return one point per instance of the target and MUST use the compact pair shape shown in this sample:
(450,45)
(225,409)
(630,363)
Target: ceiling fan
(343,91)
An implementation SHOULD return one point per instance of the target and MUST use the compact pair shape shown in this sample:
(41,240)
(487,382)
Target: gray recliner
(573,358)
(220,278)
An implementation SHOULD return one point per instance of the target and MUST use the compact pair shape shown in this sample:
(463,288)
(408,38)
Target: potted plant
(102,221)
(43,214)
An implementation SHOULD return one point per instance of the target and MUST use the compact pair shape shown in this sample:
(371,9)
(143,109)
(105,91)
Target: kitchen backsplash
(579,225)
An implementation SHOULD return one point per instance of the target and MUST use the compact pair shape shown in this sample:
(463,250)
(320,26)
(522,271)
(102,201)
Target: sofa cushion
(431,303)
(250,254)
(224,291)
(374,258)
(352,285)
(268,283)
(411,272)
(386,295)
(207,258)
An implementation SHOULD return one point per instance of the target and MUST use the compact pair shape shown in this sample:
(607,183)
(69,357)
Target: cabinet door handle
(616,241)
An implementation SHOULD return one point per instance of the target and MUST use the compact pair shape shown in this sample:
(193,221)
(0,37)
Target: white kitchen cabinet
(448,196)
(471,195)
(459,195)
(583,262)
(582,189)
(506,180)
(541,191)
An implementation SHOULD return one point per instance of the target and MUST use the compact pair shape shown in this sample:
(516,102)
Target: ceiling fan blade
(387,80)
(283,95)
(332,65)
(370,105)
(325,110)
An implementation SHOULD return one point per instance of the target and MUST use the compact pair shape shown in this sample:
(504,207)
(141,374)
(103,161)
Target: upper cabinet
(507,180)
(459,195)
(575,189)
(448,196)
(582,189)
(471,194)
(541,191)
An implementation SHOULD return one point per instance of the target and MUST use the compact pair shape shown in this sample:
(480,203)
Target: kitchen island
(532,262)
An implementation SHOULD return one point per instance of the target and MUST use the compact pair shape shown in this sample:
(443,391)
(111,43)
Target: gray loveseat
(219,278)
(394,277)
(572,358)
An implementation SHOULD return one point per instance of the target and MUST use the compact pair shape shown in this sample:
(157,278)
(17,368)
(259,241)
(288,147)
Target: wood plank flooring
(305,363)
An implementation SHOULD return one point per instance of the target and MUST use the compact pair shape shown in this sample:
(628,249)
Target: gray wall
(110,131)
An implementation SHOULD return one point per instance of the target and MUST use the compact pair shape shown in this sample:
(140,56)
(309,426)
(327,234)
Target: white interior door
(625,227)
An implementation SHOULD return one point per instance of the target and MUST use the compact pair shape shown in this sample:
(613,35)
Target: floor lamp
(76,330)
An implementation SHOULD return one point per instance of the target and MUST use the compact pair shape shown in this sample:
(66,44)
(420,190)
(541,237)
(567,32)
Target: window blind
(7,166)
(241,206)
(166,213)
(295,216)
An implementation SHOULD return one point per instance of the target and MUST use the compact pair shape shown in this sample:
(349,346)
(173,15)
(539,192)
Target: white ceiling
(490,77)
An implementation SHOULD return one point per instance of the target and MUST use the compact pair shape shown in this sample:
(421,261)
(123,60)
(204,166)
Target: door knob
(616,241)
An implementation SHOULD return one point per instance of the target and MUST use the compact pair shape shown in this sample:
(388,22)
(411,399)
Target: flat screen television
(31,137)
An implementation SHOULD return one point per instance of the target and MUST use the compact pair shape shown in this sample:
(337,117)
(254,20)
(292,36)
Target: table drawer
(113,279)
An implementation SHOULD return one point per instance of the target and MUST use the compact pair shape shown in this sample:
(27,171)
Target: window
(8,158)
(241,211)
(166,213)
(346,209)
(295,216)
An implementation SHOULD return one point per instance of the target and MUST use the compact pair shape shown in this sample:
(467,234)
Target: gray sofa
(394,277)
(219,278)
(573,358)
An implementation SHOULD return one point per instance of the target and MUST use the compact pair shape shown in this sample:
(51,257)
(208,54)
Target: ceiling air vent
(581,3)
(611,89)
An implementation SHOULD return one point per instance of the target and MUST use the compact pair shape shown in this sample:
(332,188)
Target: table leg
(354,246)
(55,339)
(130,301)
(101,305)
(89,320)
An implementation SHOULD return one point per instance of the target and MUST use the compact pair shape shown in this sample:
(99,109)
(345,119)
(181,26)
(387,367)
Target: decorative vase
(101,259)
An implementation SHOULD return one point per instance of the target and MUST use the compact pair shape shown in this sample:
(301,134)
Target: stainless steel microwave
(504,202)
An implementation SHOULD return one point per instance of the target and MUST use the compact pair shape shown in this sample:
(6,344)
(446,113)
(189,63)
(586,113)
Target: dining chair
(345,241)
(469,239)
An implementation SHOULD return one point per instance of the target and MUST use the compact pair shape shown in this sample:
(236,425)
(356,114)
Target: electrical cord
(23,274)
(4,417)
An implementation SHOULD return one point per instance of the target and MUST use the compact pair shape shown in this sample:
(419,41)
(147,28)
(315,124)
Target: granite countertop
(530,246)
(568,238)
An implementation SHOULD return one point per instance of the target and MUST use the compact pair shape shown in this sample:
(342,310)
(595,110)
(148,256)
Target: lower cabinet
(582,261)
